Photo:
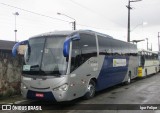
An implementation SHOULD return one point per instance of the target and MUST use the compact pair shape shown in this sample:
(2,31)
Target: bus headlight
(64,87)
(24,86)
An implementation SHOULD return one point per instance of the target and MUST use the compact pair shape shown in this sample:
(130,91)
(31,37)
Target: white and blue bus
(65,65)
(159,59)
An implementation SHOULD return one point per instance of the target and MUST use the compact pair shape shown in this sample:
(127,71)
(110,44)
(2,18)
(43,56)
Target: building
(6,46)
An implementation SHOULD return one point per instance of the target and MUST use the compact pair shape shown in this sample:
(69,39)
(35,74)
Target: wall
(10,73)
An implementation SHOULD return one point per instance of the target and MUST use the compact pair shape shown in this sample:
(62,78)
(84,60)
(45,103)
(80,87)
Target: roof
(54,33)
(140,50)
(6,45)
(68,32)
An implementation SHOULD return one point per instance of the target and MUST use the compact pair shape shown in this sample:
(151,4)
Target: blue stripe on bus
(109,75)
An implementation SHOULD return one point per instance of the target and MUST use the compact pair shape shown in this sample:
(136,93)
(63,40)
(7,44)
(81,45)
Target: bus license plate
(39,95)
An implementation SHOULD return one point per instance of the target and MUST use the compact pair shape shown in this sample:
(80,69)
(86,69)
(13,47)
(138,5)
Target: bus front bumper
(45,95)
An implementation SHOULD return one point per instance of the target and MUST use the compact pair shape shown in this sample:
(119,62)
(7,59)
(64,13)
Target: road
(140,91)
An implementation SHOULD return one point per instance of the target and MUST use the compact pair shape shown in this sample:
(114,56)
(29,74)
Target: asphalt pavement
(140,94)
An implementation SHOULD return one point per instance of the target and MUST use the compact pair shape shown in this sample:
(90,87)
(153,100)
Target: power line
(82,6)
(91,27)
(93,11)
(33,12)
(50,16)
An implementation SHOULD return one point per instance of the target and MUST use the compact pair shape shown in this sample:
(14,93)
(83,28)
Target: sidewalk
(12,99)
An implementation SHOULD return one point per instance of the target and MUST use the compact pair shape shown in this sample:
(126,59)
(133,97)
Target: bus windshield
(44,56)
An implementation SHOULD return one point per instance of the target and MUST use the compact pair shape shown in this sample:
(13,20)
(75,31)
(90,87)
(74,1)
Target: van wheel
(90,90)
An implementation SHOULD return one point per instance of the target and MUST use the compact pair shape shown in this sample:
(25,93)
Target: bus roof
(143,50)
(69,32)
(53,33)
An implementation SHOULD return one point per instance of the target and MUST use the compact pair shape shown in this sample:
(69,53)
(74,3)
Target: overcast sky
(105,16)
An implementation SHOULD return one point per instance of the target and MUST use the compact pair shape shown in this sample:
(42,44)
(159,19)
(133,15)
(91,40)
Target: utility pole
(128,32)
(129,8)
(147,43)
(73,23)
(158,41)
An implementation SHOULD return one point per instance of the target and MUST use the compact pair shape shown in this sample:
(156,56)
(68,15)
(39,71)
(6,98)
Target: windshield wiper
(34,67)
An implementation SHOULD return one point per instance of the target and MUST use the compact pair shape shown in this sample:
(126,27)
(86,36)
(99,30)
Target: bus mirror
(15,47)
(66,48)
(67,44)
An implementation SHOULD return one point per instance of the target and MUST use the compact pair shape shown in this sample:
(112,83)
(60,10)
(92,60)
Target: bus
(159,59)
(148,63)
(65,65)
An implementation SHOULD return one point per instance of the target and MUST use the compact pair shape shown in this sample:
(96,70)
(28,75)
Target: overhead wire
(50,16)
(91,10)
(83,6)
(33,12)
(92,27)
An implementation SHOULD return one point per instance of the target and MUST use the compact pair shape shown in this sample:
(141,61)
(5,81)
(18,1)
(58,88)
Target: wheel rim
(129,79)
(91,89)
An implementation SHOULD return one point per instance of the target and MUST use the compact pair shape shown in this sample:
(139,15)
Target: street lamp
(16,14)
(73,23)
(158,41)
(147,43)
(137,41)
(142,24)
(129,8)
(151,46)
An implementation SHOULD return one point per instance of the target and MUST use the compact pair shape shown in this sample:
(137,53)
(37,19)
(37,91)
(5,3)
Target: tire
(128,80)
(156,70)
(145,73)
(90,90)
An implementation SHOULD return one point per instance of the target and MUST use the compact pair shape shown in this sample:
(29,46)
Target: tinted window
(76,56)
(88,43)
(105,46)
(82,50)
(110,46)
(117,47)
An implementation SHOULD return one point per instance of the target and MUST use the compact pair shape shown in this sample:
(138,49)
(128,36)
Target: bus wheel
(90,90)
(145,73)
(128,80)
(156,69)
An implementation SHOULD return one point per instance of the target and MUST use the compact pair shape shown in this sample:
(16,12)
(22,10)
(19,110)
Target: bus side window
(142,60)
(82,50)
(76,55)
(105,47)
(88,46)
